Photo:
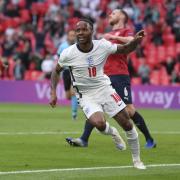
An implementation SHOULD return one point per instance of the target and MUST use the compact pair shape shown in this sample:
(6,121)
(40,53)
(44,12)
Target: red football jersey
(117,63)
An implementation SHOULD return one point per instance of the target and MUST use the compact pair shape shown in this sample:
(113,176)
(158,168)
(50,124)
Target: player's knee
(124,120)
(98,121)
(127,125)
(101,125)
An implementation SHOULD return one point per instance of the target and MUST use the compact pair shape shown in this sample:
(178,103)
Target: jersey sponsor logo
(120,103)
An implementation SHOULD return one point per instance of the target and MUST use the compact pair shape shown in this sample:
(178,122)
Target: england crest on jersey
(90,61)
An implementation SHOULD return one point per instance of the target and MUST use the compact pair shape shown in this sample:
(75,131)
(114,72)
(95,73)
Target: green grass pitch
(32,137)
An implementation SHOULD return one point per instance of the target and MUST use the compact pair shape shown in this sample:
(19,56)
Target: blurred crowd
(32,30)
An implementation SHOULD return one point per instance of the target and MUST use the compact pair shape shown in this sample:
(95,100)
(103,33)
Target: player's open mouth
(81,38)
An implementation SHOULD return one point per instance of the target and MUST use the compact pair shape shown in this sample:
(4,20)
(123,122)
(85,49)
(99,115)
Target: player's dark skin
(84,36)
(84,33)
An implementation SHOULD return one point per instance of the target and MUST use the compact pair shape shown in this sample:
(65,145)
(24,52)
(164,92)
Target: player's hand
(139,36)
(53,99)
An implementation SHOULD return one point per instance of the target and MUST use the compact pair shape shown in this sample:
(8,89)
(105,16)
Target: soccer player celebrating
(71,38)
(116,68)
(86,60)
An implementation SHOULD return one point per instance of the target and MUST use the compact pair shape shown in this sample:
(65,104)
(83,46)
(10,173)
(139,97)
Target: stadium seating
(136,80)
(33,75)
(164,78)
(177,48)
(51,19)
(161,54)
(155,77)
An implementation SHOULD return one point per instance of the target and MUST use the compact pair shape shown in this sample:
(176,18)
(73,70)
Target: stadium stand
(31,30)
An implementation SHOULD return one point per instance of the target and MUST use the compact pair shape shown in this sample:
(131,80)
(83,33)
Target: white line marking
(38,133)
(165,132)
(84,169)
(73,132)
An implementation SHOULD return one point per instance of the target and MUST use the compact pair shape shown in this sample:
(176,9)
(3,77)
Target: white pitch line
(38,133)
(72,132)
(84,169)
(165,132)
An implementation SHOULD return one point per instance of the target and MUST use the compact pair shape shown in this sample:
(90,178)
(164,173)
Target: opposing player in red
(116,68)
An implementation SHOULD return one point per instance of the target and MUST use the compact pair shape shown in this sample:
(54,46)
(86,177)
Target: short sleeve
(62,59)
(108,46)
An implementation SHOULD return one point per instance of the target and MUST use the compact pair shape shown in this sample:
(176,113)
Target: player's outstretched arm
(131,46)
(122,39)
(54,82)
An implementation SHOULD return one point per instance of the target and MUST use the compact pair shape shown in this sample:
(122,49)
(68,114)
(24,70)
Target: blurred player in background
(71,38)
(86,60)
(116,68)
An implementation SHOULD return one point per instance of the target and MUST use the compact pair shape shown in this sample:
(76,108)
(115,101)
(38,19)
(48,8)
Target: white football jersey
(87,68)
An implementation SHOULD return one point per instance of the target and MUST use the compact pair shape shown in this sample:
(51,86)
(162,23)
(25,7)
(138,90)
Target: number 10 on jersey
(92,71)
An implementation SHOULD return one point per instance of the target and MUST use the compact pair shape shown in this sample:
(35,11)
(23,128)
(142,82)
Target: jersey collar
(77,45)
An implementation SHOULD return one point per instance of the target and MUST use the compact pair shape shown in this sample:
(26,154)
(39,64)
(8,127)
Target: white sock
(108,130)
(133,141)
